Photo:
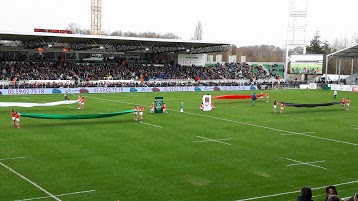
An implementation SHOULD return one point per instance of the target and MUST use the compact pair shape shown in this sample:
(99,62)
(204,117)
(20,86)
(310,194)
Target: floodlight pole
(296,29)
(339,70)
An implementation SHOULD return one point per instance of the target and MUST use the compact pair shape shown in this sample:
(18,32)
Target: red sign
(53,31)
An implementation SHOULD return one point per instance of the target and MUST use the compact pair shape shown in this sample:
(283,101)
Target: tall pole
(296,29)
(96,17)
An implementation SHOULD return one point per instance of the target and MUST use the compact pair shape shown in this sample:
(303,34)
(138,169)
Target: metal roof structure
(346,53)
(349,52)
(107,44)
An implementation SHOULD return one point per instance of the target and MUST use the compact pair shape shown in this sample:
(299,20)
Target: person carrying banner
(136,112)
(254,98)
(13,112)
(164,108)
(152,108)
(282,108)
(141,110)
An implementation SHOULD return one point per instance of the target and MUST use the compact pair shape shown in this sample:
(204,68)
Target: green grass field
(235,152)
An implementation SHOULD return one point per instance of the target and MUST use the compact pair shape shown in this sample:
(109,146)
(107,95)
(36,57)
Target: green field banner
(158,102)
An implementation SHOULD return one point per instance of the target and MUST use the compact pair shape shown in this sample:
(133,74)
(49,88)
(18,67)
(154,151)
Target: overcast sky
(242,22)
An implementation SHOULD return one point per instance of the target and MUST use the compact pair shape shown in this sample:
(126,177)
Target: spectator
(330,190)
(306,194)
(333,198)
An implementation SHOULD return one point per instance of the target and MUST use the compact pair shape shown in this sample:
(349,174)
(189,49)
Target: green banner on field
(158,102)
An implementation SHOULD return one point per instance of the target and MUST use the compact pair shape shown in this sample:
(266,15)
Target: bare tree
(198,34)
(76,29)
(147,34)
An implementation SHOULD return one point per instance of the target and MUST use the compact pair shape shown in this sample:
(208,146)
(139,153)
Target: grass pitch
(236,152)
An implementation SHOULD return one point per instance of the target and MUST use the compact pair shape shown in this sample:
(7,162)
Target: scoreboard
(53,31)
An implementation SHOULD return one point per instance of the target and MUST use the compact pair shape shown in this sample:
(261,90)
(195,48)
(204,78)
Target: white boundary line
(60,195)
(216,139)
(304,163)
(151,124)
(33,183)
(275,129)
(213,140)
(291,192)
(244,123)
(293,116)
(3,159)
(303,133)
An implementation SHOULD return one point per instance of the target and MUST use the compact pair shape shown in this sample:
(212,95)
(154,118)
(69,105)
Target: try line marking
(60,195)
(292,192)
(212,140)
(244,123)
(28,180)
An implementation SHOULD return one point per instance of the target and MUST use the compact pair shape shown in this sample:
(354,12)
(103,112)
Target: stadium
(99,117)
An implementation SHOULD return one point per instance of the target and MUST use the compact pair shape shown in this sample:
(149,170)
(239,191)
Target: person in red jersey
(17,119)
(136,109)
(282,108)
(82,102)
(274,106)
(13,117)
(141,110)
(261,95)
(347,104)
(343,103)
(164,108)
(152,108)
(201,106)
(79,102)
(267,97)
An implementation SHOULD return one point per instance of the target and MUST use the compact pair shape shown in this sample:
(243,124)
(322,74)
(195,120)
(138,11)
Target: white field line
(33,183)
(292,192)
(293,116)
(60,195)
(248,124)
(210,140)
(3,159)
(269,128)
(307,162)
(213,140)
(151,124)
(304,163)
(24,97)
(302,132)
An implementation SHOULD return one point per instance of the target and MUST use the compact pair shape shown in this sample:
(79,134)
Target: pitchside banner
(306,64)
(206,100)
(120,90)
(192,59)
(158,102)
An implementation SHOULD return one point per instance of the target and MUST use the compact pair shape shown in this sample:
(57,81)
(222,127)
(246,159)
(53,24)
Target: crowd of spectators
(24,70)
(89,71)
(331,195)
